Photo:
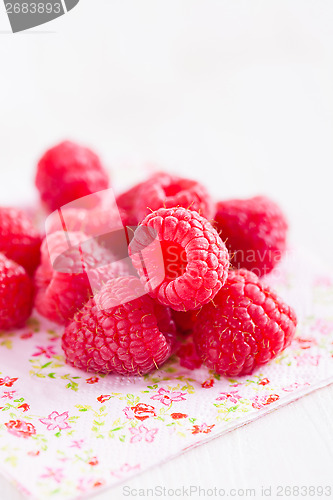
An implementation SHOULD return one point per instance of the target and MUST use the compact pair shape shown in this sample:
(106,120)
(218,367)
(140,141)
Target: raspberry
(166,324)
(188,356)
(19,240)
(246,326)
(68,172)
(254,231)
(90,222)
(16,294)
(114,333)
(194,261)
(184,321)
(77,272)
(127,203)
(165,190)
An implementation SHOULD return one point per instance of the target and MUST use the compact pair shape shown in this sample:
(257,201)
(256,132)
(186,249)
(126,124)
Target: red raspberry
(68,172)
(254,231)
(166,324)
(165,190)
(91,222)
(188,356)
(19,240)
(16,294)
(127,203)
(184,321)
(194,261)
(246,326)
(65,286)
(116,333)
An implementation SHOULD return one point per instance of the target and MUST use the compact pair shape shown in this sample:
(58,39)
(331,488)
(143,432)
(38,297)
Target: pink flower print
(142,411)
(98,483)
(257,403)
(92,380)
(141,433)
(7,381)
(124,469)
(56,421)
(308,359)
(33,453)
(129,413)
(178,416)
(77,444)
(294,386)
(322,326)
(208,384)
(93,461)
(260,402)
(48,351)
(204,428)
(263,381)
(8,394)
(55,474)
(24,407)
(104,397)
(128,468)
(167,397)
(271,399)
(231,396)
(86,484)
(304,343)
(20,429)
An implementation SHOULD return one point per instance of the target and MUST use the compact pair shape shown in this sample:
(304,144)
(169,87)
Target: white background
(235,93)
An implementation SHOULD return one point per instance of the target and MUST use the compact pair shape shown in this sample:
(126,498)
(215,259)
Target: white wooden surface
(237,94)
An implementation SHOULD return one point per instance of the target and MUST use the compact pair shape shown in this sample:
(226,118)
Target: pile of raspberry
(188,282)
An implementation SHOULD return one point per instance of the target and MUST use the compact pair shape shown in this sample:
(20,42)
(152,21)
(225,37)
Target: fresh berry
(68,172)
(165,190)
(73,268)
(184,321)
(166,324)
(188,356)
(247,325)
(104,223)
(116,333)
(94,222)
(19,240)
(127,203)
(254,231)
(16,294)
(180,258)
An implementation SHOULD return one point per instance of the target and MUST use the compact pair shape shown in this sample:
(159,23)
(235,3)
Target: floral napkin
(65,433)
